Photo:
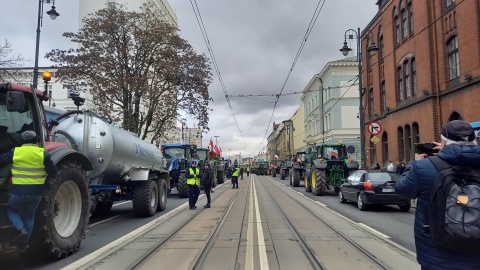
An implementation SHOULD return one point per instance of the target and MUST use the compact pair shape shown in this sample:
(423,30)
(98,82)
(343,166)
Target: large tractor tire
(296,177)
(102,208)
(290,176)
(220,178)
(307,184)
(182,186)
(62,216)
(319,182)
(162,194)
(282,174)
(145,198)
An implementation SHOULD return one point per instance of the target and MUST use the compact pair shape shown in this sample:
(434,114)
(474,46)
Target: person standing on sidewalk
(193,181)
(235,173)
(207,181)
(30,164)
(458,148)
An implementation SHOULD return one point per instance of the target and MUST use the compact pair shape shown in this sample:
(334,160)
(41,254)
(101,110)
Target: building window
(408,143)
(383,93)
(401,147)
(370,102)
(414,76)
(406,69)
(450,2)
(415,133)
(400,83)
(454,116)
(410,17)
(404,24)
(397,30)
(453,61)
(381,49)
(385,147)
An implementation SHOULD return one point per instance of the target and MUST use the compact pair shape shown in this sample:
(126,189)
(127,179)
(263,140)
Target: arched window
(370,103)
(450,2)
(453,59)
(383,96)
(404,24)
(454,116)
(406,68)
(408,143)
(396,24)
(401,144)
(413,64)
(400,83)
(415,133)
(410,17)
(385,146)
(381,45)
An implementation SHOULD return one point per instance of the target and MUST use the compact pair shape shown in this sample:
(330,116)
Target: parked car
(372,187)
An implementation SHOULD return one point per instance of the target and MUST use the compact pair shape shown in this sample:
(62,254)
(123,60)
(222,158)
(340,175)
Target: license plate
(388,190)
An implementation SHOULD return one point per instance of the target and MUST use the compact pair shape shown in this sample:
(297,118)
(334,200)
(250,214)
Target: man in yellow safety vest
(193,182)
(235,173)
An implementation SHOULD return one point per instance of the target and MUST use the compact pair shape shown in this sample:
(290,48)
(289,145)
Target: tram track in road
(307,249)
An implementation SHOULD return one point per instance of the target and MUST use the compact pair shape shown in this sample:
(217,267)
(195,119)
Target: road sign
(375,139)
(374,128)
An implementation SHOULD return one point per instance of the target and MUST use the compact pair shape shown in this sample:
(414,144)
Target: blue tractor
(179,157)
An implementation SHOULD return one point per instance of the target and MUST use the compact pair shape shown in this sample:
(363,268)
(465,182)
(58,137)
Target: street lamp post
(53,15)
(372,49)
(216,140)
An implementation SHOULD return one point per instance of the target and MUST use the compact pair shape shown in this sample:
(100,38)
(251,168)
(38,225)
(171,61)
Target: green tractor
(262,167)
(331,166)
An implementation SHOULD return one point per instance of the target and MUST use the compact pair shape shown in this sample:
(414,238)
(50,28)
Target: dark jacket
(416,182)
(50,168)
(207,178)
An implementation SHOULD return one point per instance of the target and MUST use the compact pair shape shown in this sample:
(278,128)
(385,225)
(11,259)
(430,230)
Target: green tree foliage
(139,71)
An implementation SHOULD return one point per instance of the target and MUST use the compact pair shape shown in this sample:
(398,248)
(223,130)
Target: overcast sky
(254,42)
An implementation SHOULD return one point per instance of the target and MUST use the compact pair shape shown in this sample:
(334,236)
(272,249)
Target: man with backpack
(447,186)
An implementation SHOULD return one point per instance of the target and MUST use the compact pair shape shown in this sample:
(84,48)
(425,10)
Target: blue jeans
(21,210)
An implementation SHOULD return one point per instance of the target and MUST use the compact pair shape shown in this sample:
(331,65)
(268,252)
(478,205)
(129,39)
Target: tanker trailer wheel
(162,194)
(320,183)
(296,178)
(182,186)
(220,179)
(62,216)
(145,198)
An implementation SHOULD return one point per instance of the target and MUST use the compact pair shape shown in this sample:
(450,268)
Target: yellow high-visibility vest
(236,172)
(196,180)
(28,167)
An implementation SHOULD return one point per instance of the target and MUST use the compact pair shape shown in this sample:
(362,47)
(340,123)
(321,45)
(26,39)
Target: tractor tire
(296,177)
(282,175)
(321,183)
(102,208)
(62,216)
(162,194)
(307,184)
(220,179)
(290,176)
(182,186)
(145,198)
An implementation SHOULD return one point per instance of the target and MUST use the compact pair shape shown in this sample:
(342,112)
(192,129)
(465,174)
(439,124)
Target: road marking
(372,230)
(249,249)
(103,221)
(117,204)
(261,238)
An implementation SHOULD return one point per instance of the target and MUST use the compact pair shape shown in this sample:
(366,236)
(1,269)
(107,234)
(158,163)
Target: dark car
(372,187)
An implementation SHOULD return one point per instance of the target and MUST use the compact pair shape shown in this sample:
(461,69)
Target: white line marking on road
(103,221)
(117,204)
(249,265)
(372,230)
(115,245)
(261,238)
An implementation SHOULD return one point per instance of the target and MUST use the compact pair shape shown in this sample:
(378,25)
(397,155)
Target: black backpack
(455,207)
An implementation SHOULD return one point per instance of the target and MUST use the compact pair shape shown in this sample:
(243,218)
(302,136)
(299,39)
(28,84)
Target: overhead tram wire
(316,13)
(294,93)
(198,16)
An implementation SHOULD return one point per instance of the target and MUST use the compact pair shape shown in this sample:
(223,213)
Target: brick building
(426,73)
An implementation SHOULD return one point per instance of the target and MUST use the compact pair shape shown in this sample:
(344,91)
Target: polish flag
(275,157)
(210,145)
(217,152)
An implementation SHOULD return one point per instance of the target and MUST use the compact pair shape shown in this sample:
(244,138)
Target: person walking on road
(30,163)
(390,166)
(193,181)
(207,181)
(235,173)
(248,170)
(457,147)
(241,172)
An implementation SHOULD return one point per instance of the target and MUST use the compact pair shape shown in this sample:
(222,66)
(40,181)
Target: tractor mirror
(15,101)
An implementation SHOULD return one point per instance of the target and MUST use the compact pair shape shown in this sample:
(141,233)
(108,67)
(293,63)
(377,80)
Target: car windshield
(381,177)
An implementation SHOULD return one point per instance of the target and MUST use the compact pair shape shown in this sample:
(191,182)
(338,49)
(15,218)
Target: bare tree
(8,61)
(139,71)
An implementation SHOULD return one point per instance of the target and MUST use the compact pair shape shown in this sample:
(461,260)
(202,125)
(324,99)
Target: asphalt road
(388,220)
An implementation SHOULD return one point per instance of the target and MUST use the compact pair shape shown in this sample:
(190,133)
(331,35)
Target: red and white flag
(217,152)
(275,157)
(210,145)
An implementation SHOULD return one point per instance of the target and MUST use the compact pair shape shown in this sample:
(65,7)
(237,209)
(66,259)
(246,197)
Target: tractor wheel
(220,179)
(320,182)
(296,176)
(306,183)
(290,176)
(182,186)
(62,216)
(102,208)
(274,173)
(145,198)
(282,175)
(162,194)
